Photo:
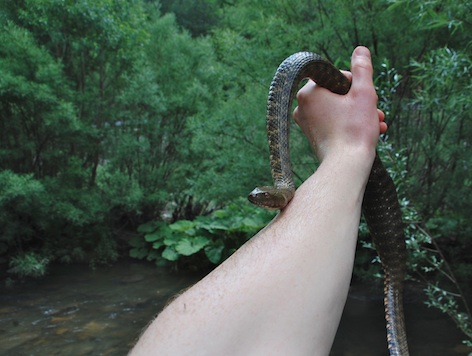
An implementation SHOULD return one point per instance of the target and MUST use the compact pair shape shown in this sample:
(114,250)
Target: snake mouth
(270,198)
(262,198)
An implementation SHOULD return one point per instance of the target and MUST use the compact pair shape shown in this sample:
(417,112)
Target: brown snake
(380,205)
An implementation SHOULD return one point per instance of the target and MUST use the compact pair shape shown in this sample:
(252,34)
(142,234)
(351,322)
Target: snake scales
(380,205)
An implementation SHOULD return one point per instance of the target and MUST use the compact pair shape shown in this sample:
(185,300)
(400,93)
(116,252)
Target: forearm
(284,291)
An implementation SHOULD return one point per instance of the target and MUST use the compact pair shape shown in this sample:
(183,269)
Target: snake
(380,205)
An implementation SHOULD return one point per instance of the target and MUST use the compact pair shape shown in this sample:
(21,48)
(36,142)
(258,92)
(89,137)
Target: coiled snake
(380,205)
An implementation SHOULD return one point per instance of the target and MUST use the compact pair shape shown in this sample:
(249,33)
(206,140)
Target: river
(75,310)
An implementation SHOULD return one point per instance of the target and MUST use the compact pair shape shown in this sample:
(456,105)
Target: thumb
(361,68)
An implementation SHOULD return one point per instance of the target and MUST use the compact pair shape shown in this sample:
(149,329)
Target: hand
(342,123)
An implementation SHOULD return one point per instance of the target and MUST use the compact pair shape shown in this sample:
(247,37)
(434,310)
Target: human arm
(283,292)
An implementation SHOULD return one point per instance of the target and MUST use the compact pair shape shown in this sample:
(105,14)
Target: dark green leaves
(215,236)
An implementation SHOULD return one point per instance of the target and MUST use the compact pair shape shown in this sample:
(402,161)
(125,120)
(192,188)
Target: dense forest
(137,127)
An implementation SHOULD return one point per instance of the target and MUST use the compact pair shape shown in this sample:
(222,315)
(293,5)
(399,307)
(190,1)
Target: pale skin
(283,292)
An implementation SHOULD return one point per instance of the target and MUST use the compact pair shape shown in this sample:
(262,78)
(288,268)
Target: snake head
(271,198)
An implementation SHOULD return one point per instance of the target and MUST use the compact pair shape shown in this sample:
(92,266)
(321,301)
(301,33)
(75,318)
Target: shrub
(203,241)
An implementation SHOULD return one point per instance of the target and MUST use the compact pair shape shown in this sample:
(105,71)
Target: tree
(197,16)
(62,72)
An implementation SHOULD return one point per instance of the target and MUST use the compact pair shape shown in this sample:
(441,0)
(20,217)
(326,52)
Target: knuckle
(304,93)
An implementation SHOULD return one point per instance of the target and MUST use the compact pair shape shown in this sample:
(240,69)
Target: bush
(22,204)
(29,265)
(204,241)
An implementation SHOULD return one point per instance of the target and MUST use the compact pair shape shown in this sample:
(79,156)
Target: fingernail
(362,52)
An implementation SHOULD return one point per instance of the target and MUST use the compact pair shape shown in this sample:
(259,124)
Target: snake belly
(380,205)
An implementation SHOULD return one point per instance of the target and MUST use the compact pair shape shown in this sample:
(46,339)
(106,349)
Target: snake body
(380,205)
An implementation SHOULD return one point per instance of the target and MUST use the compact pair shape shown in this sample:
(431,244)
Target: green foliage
(112,114)
(215,236)
(36,118)
(443,104)
(445,284)
(62,68)
(197,16)
(437,14)
(21,209)
(447,303)
(29,265)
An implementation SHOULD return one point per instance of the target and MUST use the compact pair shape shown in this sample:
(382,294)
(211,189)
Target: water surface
(78,311)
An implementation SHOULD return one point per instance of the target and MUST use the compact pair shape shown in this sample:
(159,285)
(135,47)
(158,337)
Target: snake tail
(384,218)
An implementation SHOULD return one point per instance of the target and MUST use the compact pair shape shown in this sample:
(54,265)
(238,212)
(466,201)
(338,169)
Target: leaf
(170,254)
(220,214)
(189,246)
(152,237)
(171,240)
(186,226)
(149,227)
(157,245)
(138,253)
(214,252)
(213,226)
(253,222)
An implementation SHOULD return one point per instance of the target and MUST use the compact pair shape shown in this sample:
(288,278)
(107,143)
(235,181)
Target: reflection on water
(77,311)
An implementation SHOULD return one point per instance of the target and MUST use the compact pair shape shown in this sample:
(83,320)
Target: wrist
(356,161)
